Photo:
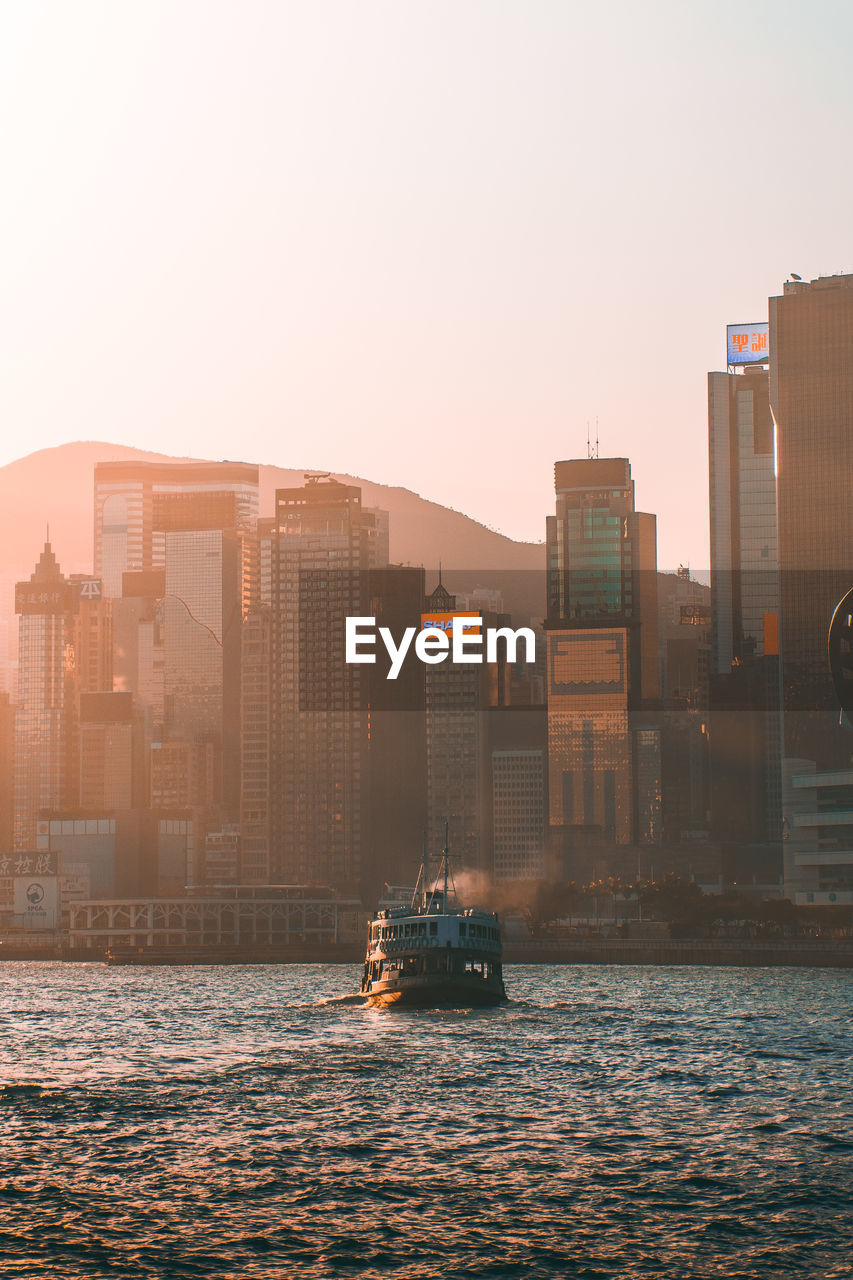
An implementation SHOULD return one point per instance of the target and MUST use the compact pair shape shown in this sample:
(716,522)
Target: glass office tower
(602,683)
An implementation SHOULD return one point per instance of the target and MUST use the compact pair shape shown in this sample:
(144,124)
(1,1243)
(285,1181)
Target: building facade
(137,503)
(811,394)
(314,563)
(745,686)
(44,771)
(604,744)
(744,551)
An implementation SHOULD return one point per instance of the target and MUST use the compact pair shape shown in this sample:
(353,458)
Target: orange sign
(444,622)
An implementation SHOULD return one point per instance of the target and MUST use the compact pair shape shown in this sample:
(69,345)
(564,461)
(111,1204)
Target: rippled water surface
(258,1121)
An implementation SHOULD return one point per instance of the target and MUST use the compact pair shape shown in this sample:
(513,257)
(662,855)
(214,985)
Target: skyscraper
(744,706)
(396,746)
(178,543)
(202,620)
(107,755)
(744,553)
(456,699)
(43,746)
(602,651)
(257,722)
(811,392)
(518,788)
(684,617)
(137,503)
(7,773)
(313,571)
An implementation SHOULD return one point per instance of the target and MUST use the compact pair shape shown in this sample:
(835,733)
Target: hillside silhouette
(54,486)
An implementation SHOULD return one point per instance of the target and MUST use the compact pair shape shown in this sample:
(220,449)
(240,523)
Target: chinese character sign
(747,343)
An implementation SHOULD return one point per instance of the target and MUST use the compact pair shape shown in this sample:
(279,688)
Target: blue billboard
(747,343)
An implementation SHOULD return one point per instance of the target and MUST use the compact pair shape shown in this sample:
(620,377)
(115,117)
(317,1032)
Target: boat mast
(446,825)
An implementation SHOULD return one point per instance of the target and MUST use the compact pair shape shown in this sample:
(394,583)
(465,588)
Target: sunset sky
(419,242)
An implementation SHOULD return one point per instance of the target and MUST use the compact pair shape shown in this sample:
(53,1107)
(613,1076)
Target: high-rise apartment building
(604,748)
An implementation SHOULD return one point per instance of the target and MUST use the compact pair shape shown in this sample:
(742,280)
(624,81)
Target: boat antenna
(420,887)
(422,877)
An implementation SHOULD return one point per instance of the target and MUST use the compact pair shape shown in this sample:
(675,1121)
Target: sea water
(261,1121)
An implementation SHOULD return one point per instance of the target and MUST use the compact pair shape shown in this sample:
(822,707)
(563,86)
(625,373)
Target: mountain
(54,486)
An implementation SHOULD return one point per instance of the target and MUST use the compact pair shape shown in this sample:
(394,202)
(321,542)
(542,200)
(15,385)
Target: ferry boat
(434,953)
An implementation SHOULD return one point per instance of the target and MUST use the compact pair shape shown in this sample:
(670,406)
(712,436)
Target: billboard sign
(29,863)
(747,343)
(49,598)
(36,901)
(694,615)
(444,621)
(587,662)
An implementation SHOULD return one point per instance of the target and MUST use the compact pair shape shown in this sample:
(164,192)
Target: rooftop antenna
(596,435)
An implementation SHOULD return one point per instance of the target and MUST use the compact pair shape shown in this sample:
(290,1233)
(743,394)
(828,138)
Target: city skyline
(509,345)
(490,225)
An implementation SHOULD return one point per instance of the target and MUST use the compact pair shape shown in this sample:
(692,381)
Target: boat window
(421,930)
(433,928)
(461,928)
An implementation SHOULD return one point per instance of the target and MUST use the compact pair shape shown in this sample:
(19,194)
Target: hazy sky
(420,242)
